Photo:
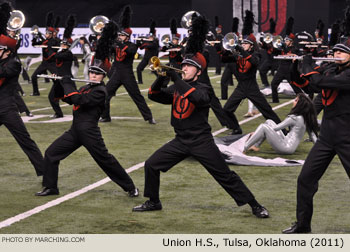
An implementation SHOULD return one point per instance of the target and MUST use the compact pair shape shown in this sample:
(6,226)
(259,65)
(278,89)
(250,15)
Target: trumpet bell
(161,69)
(16,20)
(97,23)
(186,20)
(230,41)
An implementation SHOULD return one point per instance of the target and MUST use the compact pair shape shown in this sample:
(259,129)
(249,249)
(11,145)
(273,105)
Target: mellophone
(285,57)
(60,78)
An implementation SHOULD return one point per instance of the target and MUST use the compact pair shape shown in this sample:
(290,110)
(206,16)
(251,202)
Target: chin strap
(192,79)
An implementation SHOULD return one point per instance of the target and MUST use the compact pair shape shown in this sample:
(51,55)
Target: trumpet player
(48,53)
(190,107)
(124,52)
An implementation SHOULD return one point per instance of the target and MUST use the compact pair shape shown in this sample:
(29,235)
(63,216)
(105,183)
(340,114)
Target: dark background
(305,12)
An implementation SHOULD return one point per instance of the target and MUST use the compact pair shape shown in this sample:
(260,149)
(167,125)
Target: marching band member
(193,133)
(124,52)
(218,47)
(10,69)
(48,53)
(88,103)
(151,47)
(246,62)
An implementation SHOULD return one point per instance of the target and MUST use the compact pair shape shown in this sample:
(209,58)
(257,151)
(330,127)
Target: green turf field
(192,201)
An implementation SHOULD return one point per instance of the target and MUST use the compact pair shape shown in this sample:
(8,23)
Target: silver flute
(285,57)
(60,78)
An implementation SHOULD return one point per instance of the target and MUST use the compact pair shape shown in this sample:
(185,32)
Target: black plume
(5,13)
(152,28)
(320,28)
(49,19)
(272,26)
(216,21)
(235,23)
(104,44)
(173,26)
(289,26)
(57,21)
(70,24)
(346,22)
(125,18)
(248,23)
(200,28)
(334,34)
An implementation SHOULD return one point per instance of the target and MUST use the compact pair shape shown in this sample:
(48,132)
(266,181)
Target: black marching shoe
(148,206)
(48,191)
(295,229)
(56,116)
(236,132)
(152,121)
(260,212)
(35,94)
(107,119)
(133,193)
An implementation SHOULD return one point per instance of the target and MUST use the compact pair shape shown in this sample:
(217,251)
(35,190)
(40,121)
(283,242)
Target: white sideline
(72,195)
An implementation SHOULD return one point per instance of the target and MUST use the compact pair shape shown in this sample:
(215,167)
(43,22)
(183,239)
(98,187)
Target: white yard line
(72,195)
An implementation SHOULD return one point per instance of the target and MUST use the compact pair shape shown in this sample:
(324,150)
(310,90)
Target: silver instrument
(285,57)
(97,23)
(143,38)
(268,38)
(230,41)
(277,42)
(186,20)
(166,39)
(45,46)
(16,20)
(60,78)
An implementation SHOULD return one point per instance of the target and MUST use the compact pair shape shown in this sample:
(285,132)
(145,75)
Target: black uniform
(189,117)
(215,104)
(10,68)
(64,61)
(218,48)
(88,104)
(333,138)
(124,75)
(48,62)
(283,72)
(268,62)
(151,49)
(245,67)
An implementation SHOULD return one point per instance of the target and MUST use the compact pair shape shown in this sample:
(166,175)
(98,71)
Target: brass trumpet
(161,69)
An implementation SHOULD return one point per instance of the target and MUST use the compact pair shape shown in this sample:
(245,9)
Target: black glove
(83,61)
(307,59)
(172,74)
(239,48)
(118,43)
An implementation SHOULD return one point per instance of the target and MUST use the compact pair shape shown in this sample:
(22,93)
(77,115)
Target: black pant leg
(208,154)
(61,148)
(41,69)
(162,160)
(140,67)
(314,167)
(133,89)
(226,80)
(279,76)
(263,69)
(15,125)
(112,86)
(22,107)
(232,104)
(91,139)
(260,102)
(55,104)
